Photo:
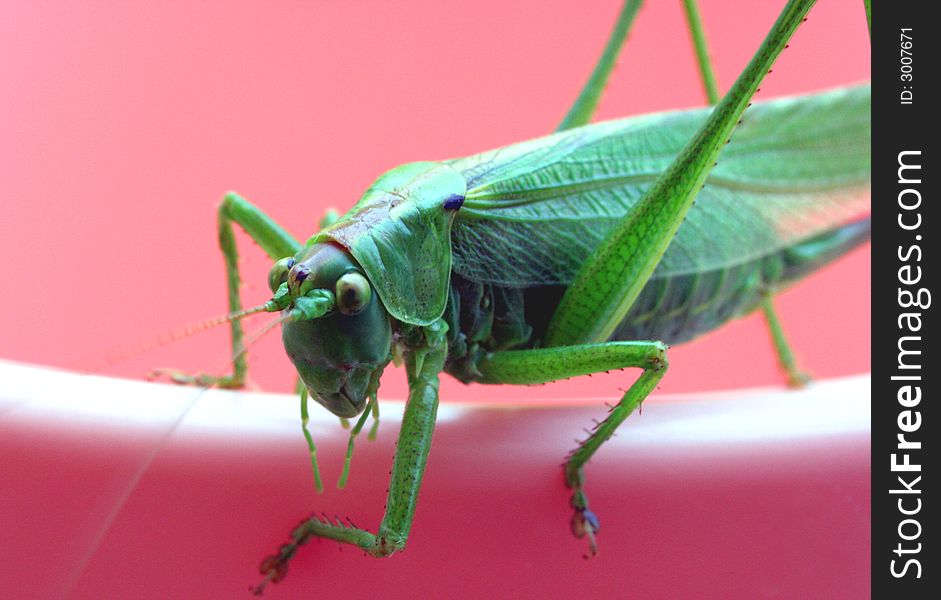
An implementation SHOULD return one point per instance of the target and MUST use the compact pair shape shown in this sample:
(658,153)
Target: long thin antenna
(133,349)
(257,336)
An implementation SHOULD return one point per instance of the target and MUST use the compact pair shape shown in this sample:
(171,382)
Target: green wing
(795,167)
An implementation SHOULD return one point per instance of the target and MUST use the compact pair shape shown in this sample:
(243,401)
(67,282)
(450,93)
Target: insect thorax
(482,318)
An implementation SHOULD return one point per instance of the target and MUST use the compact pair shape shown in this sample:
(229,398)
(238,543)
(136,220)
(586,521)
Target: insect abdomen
(488,318)
(678,308)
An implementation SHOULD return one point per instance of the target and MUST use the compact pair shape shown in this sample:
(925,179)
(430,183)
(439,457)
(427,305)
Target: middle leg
(551,364)
(276,242)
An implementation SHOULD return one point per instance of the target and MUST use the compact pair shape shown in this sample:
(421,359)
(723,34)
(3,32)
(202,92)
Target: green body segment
(339,357)
(679,308)
(399,232)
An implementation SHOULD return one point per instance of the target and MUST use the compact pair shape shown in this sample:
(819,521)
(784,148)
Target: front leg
(423,363)
(276,242)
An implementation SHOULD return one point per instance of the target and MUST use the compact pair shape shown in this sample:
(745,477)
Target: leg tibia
(275,241)
(581,112)
(796,377)
(423,364)
(631,399)
(549,364)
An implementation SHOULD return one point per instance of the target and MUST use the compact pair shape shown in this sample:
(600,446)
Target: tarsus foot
(274,568)
(197,379)
(798,379)
(585,522)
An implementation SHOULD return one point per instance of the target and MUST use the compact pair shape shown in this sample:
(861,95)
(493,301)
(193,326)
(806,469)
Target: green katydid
(566,255)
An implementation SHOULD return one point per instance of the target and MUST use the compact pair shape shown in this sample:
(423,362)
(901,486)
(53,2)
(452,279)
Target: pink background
(123,123)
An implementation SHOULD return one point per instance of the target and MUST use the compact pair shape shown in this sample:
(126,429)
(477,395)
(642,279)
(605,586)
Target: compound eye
(279,273)
(353,293)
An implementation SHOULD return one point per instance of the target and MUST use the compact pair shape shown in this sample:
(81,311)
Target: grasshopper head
(339,353)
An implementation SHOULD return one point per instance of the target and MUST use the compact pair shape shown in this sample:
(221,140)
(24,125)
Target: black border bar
(905,270)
